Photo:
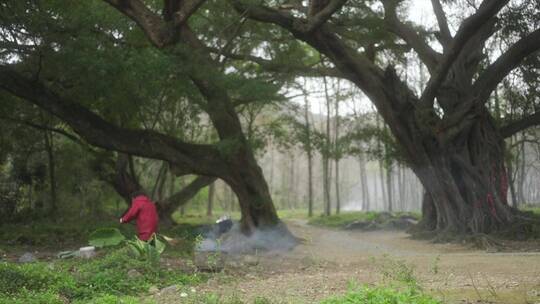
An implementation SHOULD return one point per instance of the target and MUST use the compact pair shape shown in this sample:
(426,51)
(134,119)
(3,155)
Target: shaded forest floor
(329,260)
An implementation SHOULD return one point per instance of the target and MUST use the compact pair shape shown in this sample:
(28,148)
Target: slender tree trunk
(211,190)
(326,152)
(389,187)
(521,179)
(291,188)
(159,179)
(336,149)
(294,179)
(364,183)
(181,198)
(271,179)
(49,147)
(381,169)
(401,189)
(309,152)
(512,179)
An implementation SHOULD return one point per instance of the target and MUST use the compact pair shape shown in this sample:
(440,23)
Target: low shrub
(382,295)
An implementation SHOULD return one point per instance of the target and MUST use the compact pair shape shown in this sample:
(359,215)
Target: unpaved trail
(328,260)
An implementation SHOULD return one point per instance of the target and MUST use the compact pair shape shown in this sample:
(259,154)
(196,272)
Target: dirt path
(329,260)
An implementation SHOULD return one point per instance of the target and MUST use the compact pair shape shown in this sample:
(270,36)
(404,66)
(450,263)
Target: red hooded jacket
(145,212)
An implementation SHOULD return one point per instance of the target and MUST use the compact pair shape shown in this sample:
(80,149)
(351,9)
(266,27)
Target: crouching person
(144,211)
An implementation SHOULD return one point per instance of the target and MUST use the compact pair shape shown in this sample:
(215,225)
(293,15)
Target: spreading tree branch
(187,9)
(498,70)
(520,125)
(161,31)
(151,23)
(322,16)
(468,29)
(429,56)
(201,159)
(446,37)
(272,66)
(43,127)
(182,197)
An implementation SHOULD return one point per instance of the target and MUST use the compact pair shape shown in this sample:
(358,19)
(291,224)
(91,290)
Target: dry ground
(328,260)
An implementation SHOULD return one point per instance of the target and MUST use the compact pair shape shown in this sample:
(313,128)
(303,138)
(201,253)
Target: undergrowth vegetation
(345,218)
(82,281)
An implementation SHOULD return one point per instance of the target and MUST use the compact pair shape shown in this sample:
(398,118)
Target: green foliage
(344,218)
(106,237)
(149,251)
(113,299)
(67,234)
(382,295)
(101,280)
(402,287)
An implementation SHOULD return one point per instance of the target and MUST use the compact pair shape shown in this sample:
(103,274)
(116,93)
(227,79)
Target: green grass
(343,219)
(85,281)
(49,235)
(292,214)
(382,295)
(534,209)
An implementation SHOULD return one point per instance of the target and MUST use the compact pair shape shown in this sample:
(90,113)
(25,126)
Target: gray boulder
(27,257)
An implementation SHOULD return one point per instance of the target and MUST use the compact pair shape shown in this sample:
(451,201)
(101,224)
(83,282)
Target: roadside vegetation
(345,219)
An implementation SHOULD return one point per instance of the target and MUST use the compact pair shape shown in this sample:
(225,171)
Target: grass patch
(535,209)
(401,287)
(292,214)
(55,236)
(382,295)
(345,218)
(101,280)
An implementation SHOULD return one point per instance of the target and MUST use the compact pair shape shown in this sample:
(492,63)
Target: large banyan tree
(448,136)
(33,32)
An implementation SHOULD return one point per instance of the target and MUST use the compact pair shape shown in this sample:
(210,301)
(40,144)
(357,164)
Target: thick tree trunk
(467,184)
(248,183)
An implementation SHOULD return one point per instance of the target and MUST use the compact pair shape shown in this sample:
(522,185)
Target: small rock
(87,252)
(183,295)
(169,290)
(209,261)
(132,274)
(251,260)
(28,257)
(153,290)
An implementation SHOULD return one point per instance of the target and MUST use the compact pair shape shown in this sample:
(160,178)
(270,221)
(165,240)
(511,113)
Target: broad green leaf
(106,237)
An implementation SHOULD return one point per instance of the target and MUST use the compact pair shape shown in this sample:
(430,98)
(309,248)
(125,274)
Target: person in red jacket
(144,210)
